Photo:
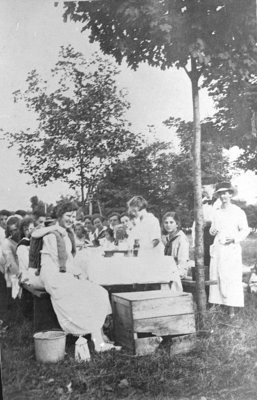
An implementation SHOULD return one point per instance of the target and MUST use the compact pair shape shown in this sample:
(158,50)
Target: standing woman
(230,227)
(175,242)
(147,230)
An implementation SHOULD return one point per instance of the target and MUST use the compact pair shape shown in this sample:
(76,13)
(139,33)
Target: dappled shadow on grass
(223,365)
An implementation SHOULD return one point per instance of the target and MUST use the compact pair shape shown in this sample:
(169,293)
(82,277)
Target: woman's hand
(156,242)
(229,241)
(213,231)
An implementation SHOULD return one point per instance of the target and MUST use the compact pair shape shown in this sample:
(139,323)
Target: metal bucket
(50,346)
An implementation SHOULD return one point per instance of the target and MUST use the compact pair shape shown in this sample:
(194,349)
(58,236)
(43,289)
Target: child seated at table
(175,242)
(108,242)
(99,233)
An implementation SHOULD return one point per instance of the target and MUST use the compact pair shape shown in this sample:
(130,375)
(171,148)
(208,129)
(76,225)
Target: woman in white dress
(230,227)
(81,306)
(147,228)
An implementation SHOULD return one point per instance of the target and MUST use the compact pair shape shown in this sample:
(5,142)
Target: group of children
(136,227)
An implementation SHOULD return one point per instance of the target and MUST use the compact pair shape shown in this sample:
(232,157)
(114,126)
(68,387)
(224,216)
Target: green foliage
(81,124)
(169,32)
(215,166)
(148,172)
(236,116)
(250,210)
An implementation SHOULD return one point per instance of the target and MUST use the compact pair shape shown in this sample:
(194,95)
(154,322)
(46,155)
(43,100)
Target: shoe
(106,347)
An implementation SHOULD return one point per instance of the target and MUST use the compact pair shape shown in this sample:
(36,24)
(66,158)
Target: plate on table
(110,253)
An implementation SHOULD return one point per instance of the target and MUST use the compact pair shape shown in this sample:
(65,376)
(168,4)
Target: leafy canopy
(165,33)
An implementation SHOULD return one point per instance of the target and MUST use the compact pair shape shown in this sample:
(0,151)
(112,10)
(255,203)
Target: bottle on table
(136,247)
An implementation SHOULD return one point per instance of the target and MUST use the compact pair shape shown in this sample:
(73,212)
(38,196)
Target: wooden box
(142,318)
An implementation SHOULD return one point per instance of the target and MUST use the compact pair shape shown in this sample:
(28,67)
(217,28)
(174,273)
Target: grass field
(222,366)
(249,249)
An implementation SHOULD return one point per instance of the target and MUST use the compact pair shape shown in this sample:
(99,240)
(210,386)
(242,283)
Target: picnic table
(148,268)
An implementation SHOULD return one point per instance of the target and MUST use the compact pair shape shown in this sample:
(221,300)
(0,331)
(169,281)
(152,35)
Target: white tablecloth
(122,270)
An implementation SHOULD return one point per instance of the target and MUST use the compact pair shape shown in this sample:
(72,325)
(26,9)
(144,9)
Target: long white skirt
(226,268)
(80,305)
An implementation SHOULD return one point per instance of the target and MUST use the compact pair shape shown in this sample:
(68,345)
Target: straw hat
(224,187)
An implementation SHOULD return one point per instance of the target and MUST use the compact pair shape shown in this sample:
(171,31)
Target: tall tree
(81,122)
(191,34)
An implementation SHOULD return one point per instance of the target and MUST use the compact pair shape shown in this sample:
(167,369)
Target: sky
(31,33)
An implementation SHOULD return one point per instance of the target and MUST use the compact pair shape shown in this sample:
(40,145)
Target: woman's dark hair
(110,231)
(113,213)
(6,213)
(97,216)
(124,214)
(88,217)
(12,221)
(39,213)
(80,224)
(25,222)
(173,215)
(139,202)
(64,208)
(22,213)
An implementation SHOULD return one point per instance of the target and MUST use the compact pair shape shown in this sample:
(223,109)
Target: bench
(44,317)
(189,286)
(3,295)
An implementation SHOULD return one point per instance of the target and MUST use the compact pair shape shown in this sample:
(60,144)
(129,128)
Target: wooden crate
(142,318)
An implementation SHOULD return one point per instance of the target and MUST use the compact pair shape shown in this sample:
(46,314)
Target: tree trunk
(82,184)
(198,213)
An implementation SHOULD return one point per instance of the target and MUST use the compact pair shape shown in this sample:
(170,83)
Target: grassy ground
(222,366)
(249,249)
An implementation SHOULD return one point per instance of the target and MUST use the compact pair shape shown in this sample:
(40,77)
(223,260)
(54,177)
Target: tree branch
(187,72)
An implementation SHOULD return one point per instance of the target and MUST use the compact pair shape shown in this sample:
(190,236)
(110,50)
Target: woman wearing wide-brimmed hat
(230,227)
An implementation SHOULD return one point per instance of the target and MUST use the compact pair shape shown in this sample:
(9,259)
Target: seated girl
(175,242)
(108,243)
(81,235)
(99,233)
(27,226)
(81,306)
(10,260)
